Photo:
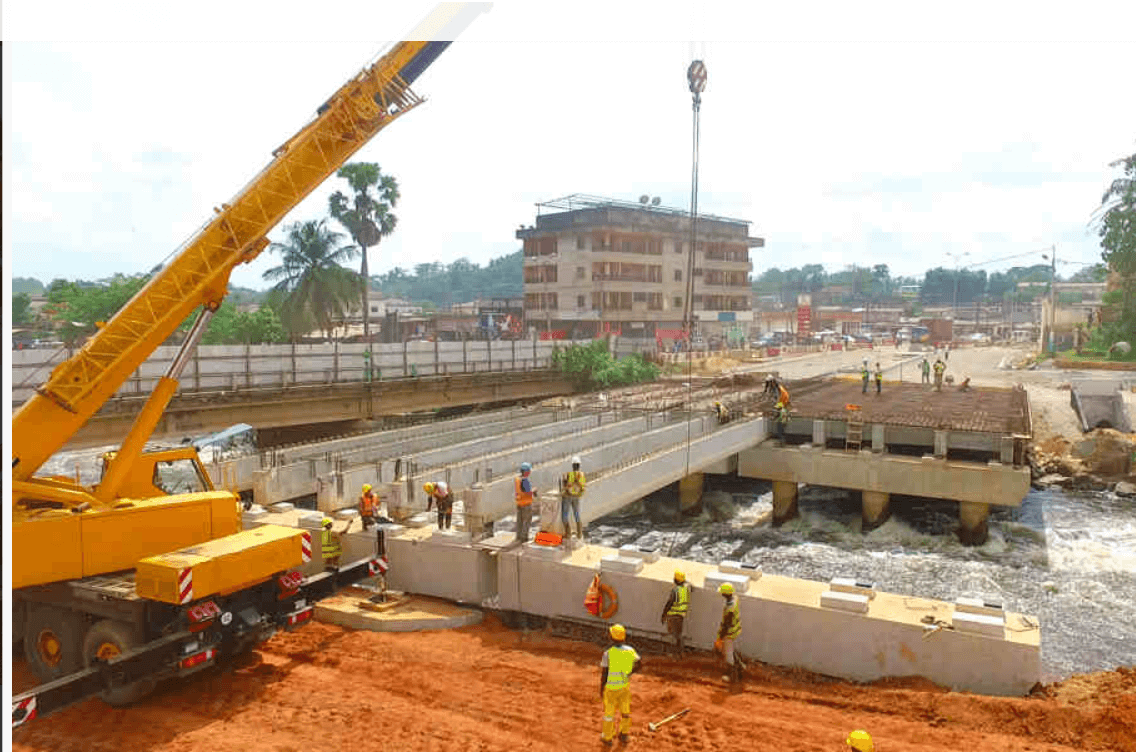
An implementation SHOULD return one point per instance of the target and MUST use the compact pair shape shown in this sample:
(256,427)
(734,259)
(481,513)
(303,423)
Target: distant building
(595,266)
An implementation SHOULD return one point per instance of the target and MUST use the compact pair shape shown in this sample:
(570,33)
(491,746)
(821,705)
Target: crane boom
(199,272)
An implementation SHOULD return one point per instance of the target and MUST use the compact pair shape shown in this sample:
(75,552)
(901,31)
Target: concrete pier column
(940,444)
(784,501)
(875,509)
(690,491)
(818,433)
(1006,450)
(878,438)
(972,522)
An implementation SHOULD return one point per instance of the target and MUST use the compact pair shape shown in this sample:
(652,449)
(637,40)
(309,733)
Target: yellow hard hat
(618,632)
(680,576)
(726,589)
(327,522)
(860,741)
(428,488)
(366,487)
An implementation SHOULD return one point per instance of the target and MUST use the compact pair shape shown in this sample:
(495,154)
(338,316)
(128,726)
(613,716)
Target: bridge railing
(235,367)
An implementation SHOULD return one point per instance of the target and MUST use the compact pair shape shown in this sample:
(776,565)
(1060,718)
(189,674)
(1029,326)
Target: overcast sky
(843,138)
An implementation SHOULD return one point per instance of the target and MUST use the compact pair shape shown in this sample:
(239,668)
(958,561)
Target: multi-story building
(595,265)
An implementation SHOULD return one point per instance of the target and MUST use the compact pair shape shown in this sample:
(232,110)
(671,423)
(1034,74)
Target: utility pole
(1052,297)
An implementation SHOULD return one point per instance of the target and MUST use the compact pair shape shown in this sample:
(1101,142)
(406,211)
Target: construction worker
(438,493)
(925,369)
(939,368)
(770,386)
(864,376)
(879,378)
(368,506)
(965,385)
(782,394)
(781,419)
(721,412)
(618,663)
(524,494)
(728,632)
(860,741)
(676,608)
(329,544)
(575,483)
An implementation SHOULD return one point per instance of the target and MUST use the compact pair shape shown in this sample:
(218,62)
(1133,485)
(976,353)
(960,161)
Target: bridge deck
(979,410)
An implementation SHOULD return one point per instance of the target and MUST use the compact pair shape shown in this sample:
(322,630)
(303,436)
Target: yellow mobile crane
(120,584)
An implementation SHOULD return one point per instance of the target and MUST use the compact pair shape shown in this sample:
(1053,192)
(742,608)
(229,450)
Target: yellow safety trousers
(616,701)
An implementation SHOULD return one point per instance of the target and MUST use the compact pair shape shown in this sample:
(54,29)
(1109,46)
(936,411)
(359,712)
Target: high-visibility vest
(620,661)
(524,498)
(574,483)
(864,374)
(330,545)
(367,504)
(681,602)
(736,624)
(939,368)
(783,394)
(879,375)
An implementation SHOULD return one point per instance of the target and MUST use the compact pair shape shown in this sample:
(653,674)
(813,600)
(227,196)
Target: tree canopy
(1117,229)
(312,289)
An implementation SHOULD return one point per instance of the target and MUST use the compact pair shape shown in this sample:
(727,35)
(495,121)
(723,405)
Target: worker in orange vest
(368,506)
(524,493)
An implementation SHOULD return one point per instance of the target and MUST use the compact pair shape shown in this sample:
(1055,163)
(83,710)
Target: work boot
(605,742)
(624,738)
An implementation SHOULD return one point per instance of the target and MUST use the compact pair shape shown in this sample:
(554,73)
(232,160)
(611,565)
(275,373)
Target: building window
(580,301)
(678,275)
(678,302)
(678,247)
(697,298)
(639,297)
(580,271)
(579,242)
(374,309)
(698,271)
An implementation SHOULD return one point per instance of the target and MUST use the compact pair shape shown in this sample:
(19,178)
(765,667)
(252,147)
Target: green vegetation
(312,289)
(232,327)
(21,308)
(29,285)
(592,366)
(1117,229)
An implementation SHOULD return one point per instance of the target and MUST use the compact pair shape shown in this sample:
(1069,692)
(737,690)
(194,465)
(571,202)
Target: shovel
(668,719)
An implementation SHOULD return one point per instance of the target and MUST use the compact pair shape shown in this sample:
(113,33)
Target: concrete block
(421,519)
(282,506)
(844,601)
(552,553)
(993,626)
(346,514)
(752,571)
(497,541)
(253,518)
(849,585)
(978,606)
(616,563)
(453,537)
(310,521)
(632,551)
(714,579)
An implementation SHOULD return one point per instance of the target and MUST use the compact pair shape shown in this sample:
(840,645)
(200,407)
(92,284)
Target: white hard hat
(576,460)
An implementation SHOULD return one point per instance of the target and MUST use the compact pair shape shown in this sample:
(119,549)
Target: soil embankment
(492,688)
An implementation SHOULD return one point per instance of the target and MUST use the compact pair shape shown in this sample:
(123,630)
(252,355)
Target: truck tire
(106,639)
(53,641)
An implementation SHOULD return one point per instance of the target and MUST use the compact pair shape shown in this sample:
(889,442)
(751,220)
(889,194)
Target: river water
(1065,557)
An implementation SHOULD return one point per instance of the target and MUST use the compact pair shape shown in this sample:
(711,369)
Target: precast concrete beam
(784,502)
(1003,485)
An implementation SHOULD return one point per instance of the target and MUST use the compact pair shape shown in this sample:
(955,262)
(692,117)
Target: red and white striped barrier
(306,547)
(185,585)
(23,711)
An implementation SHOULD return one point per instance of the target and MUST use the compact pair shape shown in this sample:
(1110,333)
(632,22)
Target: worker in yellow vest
(618,663)
(676,609)
(330,547)
(575,483)
(860,741)
(524,492)
(438,493)
(728,632)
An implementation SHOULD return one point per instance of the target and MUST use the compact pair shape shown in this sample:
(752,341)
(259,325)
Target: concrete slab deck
(416,613)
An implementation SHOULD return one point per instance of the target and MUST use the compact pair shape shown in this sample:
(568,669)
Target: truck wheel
(53,641)
(106,639)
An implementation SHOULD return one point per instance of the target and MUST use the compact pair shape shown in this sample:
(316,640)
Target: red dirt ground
(492,688)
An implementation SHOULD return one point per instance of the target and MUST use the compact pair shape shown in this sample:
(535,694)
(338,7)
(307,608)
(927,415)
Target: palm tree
(366,215)
(313,289)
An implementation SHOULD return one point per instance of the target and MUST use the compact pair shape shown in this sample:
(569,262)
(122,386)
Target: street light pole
(1052,296)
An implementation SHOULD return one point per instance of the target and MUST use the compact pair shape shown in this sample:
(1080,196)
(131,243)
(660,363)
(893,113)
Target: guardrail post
(293,362)
(196,370)
(248,365)
(435,354)
(405,368)
(489,353)
(465,354)
(514,344)
(335,366)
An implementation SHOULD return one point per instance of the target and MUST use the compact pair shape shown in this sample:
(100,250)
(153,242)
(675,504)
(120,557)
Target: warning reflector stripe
(185,585)
(379,565)
(306,547)
(23,711)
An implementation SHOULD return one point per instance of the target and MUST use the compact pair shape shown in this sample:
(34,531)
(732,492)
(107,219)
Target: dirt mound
(492,688)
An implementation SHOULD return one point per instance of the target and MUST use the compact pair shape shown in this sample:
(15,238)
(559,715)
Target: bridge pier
(875,509)
(784,502)
(690,491)
(972,522)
